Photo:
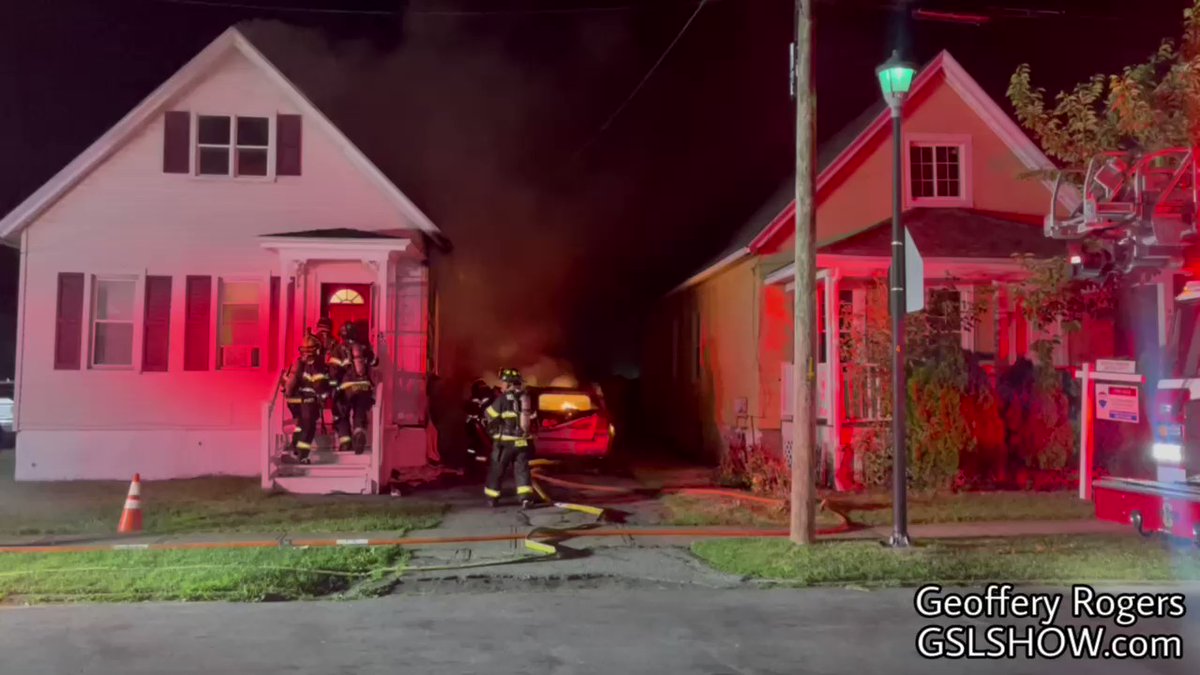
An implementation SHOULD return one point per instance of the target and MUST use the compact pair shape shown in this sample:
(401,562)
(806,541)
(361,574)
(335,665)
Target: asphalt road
(603,630)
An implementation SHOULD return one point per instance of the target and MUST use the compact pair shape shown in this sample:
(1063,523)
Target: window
(239,335)
(224,145)
(944,307)
(346,296)
(112,322)
(938,169)
(232,146)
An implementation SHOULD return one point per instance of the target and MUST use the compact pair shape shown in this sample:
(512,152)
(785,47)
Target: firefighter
(328,347)
(509,419)
(337,362)
(478,440)
(357,389)
(306,382)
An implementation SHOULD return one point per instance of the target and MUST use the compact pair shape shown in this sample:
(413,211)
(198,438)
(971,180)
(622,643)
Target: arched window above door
(346,296)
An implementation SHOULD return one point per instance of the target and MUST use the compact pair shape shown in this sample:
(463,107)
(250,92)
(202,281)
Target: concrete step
(349,483)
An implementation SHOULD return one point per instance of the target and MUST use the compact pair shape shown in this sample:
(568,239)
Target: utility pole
(804,417)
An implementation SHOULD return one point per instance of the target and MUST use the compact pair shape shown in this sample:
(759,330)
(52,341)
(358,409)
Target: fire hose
(545,543)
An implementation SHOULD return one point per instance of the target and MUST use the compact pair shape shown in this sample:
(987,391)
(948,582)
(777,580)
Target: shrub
(749,466)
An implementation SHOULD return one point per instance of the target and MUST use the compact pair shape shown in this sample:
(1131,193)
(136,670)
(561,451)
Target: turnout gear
(337,361)
(508,417)
(356,392)
(478,439)
(328,344)
(303,388)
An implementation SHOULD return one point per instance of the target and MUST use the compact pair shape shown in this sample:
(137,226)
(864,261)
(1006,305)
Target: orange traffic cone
(131,517)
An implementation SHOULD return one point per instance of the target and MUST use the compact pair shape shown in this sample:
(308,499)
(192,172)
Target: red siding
(287,153)
(197,323)
(177,142)
(68,334)
(156,340)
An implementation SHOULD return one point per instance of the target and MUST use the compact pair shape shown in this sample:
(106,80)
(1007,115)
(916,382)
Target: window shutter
(177,141)
(156,341)
(273,330)
(198,323)
(287,145)
(68,334)
(289,331)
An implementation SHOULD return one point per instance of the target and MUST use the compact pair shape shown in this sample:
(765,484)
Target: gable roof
(953,233)
(162,97)
(835,155)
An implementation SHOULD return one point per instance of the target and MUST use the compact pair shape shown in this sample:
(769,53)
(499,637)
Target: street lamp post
(895,79)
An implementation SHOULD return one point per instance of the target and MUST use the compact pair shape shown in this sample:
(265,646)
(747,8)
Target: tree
(1150,106)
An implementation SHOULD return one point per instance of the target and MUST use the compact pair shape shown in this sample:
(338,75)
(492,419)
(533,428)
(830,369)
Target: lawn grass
(218,504)
(875,509)
(1025,559)
(242,575)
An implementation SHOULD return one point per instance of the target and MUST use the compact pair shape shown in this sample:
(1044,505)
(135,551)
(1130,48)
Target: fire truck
(1136,222)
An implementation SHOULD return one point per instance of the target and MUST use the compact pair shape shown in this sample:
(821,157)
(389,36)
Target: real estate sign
(1117,402)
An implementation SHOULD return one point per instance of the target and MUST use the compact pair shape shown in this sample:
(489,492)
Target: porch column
(381,301)
(1004,316)
(287,276)
(843,458)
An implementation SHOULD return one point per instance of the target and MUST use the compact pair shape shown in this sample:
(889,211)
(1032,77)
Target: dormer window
(232,146)
(938,170)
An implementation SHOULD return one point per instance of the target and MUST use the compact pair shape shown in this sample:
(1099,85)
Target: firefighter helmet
(347,332)
(325,325)
(511,375)
(310,345)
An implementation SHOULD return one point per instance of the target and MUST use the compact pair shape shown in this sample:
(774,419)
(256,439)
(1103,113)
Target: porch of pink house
(851,396)
(381,285)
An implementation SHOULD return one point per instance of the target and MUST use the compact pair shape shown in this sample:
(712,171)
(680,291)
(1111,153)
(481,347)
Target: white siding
(128,217)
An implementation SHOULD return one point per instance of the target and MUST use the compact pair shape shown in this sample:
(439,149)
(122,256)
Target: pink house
(168,271)
(717,368)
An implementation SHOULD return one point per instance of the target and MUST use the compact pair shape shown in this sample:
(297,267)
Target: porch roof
(953,233)
(334,233)
(959,242)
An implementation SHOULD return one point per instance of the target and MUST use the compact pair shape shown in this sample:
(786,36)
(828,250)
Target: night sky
(494,115)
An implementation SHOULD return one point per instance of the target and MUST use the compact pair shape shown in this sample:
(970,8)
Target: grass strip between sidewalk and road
(198,505)
(240,575)
(1081,558)
(875,509)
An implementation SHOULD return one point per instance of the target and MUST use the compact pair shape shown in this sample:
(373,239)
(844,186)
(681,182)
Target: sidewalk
(579,532)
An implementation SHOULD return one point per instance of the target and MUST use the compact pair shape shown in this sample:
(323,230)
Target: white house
(167,272)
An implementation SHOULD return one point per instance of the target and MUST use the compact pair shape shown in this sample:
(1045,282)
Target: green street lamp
(895,80)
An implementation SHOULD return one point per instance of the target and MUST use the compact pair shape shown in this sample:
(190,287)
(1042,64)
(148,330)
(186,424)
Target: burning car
(570,422)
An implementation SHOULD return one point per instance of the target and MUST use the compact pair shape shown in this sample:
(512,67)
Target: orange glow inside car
(566,403)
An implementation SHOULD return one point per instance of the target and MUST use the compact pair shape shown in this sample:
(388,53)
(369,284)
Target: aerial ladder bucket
(1137,212)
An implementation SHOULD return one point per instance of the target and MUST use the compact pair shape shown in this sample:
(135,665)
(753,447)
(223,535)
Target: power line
(646,78)
(217,4)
